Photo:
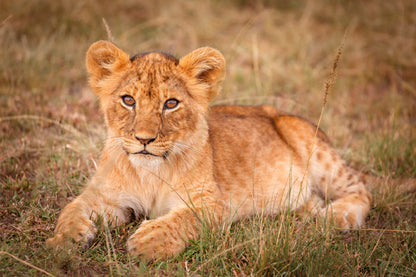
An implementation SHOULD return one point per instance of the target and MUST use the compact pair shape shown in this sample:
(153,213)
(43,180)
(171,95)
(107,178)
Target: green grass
(278,52)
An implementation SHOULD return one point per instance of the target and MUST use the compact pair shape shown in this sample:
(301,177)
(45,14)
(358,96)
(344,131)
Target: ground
(278,52)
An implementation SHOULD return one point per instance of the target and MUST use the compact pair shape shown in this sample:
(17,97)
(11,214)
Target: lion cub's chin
(146,161)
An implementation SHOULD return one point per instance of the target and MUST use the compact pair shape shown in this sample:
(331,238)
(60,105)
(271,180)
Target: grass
(278,52)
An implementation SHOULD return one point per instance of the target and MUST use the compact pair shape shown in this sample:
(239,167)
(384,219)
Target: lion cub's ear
(103,60)
(207,65)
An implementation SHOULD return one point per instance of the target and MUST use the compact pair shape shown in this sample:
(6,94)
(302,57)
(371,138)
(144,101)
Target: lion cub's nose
(144,141)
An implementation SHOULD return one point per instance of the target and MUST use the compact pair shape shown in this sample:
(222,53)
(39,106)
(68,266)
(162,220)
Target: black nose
(145,141)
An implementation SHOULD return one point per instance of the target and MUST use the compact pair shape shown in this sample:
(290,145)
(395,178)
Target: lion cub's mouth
(147,153)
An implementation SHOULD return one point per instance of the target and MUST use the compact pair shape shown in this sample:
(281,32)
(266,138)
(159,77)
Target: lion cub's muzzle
(144,146)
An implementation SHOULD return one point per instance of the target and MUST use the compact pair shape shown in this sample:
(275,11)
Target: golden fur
(170,157)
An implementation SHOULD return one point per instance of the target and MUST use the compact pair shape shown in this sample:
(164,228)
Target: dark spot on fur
(319,156)
(350,184)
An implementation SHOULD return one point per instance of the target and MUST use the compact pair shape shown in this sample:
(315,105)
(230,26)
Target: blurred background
(278,52)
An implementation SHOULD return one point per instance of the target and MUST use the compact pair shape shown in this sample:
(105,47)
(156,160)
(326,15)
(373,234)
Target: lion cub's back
(258,126)
(257,144)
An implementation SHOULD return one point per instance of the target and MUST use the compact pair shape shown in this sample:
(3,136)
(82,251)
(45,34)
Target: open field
(278,52)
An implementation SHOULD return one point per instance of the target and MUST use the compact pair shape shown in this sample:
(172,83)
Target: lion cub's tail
(400,185)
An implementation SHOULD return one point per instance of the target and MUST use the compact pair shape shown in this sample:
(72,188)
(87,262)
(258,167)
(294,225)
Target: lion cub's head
(155,106)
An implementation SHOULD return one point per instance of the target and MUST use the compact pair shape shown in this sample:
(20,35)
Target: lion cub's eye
(128,100)
(171,104)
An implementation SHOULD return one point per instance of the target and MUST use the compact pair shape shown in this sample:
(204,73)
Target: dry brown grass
(278,52)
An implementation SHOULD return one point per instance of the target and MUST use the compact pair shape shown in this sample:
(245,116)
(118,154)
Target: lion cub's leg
(169,234)
(76,219)
(165,236)
(73,223)
(346,200)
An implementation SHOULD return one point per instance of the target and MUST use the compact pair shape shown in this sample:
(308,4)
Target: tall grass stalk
(279,53)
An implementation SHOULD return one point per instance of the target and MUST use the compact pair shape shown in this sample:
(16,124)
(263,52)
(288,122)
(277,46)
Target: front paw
(79,230)
(157,239)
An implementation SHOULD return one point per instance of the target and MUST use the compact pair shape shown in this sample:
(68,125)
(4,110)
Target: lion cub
(171,157)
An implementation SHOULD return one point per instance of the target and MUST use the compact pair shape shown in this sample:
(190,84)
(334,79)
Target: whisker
(183,146)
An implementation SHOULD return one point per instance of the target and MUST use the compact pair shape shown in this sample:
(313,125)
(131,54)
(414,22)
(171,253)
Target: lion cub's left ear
(207,65)
(103,60)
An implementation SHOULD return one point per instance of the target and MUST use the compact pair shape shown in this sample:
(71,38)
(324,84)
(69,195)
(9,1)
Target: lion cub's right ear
(103,60)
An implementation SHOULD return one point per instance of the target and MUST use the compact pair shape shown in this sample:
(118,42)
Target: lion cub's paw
(156,239)
(345,216)
(82,231)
